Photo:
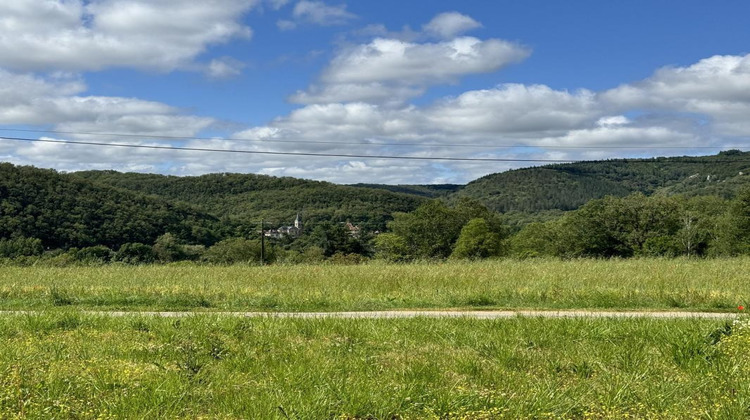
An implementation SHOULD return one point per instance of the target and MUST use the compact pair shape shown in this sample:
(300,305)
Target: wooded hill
(111,208)
(241,200)
(569,186)
(64,211)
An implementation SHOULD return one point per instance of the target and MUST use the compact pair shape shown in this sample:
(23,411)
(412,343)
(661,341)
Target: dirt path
(415,314)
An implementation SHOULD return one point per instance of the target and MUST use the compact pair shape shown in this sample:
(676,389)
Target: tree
(432,229)
(733,228)
(20,247)
(477,241)
(429,231)
(135,253)
(391,247)
(238,250)
(167,248)
(536,240)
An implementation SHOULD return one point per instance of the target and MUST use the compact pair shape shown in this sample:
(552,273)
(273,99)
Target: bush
(167,248)
(135,253)
(477,241)
(93,254)
(347,259)
(237,250)
(392,247)
(20,247)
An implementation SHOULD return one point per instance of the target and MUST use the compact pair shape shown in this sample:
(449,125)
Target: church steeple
(298,222)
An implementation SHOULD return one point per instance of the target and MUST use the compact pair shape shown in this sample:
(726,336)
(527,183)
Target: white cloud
(648,137)
(612,120)
(705,104)
(514,108)
(375,92)
(25,99)
(717,87)
(389,60)
(224,68)
(320,13)
(277,4)
(72,35)
(391,70)
(450,24)
(285,25)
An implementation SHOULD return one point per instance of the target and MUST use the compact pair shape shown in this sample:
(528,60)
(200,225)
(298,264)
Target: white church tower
(298,224)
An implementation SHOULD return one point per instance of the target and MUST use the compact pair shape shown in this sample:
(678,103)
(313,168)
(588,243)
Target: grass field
(690,284)
(64,364)
(60,362)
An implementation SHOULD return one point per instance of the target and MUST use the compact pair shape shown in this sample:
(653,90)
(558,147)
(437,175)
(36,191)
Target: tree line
(102,217)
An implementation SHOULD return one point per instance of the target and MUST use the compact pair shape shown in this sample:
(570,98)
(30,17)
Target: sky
(392,88)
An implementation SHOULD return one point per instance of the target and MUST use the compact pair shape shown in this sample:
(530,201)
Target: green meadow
(69,365)
(59,361)
(633,284)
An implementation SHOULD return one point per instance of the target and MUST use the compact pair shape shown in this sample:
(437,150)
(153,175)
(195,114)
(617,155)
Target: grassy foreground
(714,285)
(68,365)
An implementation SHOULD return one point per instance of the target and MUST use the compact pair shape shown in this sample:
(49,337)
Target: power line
(483,146)
(256,152)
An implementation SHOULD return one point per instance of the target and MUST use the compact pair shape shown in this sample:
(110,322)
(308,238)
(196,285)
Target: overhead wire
(259,152)
(348,143)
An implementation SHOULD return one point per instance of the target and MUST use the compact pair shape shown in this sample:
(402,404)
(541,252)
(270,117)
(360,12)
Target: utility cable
(281,141)
(257,152)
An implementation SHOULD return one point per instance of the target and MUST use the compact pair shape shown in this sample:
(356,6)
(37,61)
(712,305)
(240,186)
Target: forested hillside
(429,191)
(695,206)
(64,211)
(569,186)
(243,199)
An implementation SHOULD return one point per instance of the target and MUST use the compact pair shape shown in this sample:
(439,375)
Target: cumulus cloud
(365,113)
(717,87)
(224,68)
(74,35)
(449,25)
(30,100)
(375,92)
(277,4)
(388,60)
(515,108)
(395,69)
(320,13)
(285,25)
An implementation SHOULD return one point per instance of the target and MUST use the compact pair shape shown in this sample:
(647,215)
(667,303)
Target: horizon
(394,185)
(478,81)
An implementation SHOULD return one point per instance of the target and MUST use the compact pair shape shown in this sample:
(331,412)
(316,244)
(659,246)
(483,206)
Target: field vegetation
(68,365)
(627,284)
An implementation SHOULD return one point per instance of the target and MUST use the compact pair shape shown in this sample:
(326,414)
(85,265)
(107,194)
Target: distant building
(294,231)
(353,229)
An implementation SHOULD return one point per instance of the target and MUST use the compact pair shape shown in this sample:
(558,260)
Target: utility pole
(262,242)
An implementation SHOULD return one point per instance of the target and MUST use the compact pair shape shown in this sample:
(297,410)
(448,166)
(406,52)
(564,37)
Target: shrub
(93,254)
(237,250)
(135,253)
(20,247)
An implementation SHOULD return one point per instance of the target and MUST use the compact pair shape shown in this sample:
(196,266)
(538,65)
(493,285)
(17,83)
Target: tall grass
(68,365)
(718,285)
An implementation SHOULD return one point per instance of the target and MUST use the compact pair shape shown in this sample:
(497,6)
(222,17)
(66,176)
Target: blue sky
(556,80)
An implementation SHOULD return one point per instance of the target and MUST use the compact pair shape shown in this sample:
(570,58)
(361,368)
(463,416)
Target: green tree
(391,247)
(97,254)
(238,250)
(477,241)
(168,249)
(135,253)
(732,235)
(20,247)
(429,232)
(536,240)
